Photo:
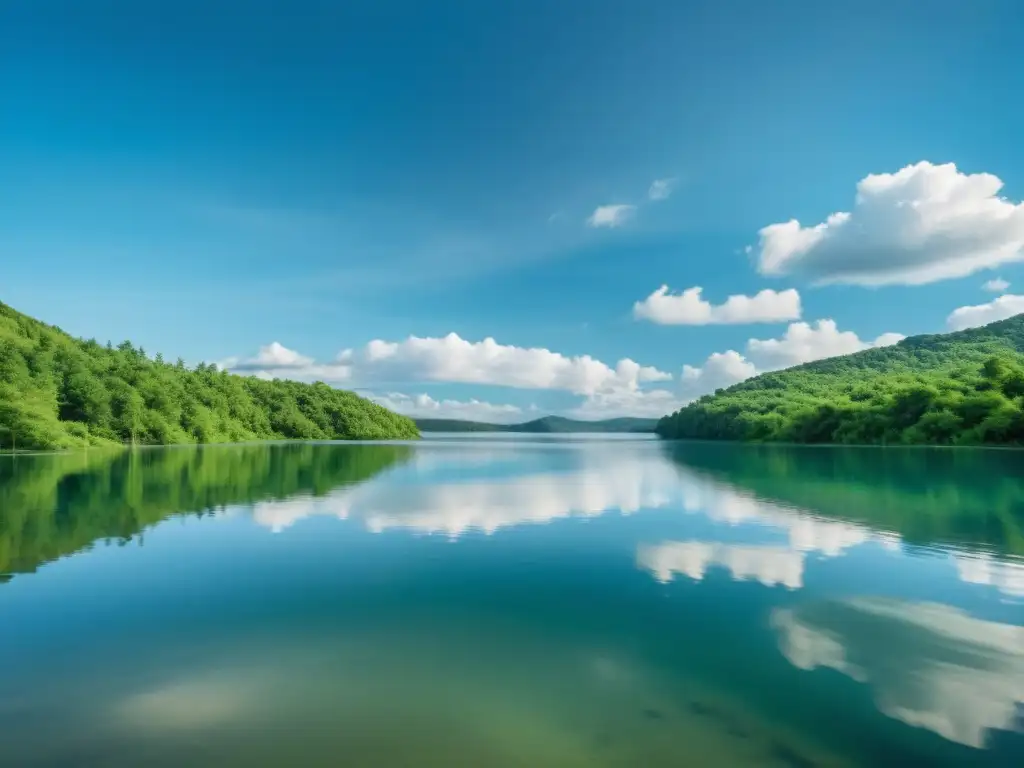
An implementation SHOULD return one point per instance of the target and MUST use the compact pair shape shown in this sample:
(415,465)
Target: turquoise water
(503,601)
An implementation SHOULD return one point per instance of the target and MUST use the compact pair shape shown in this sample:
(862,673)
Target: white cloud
(454,359)
(661,189)
(950,673)
(424,406)
(720,370)
(611,215)
(983,314)
(277,361)
(640,403)
(997,285)
(921,224)
(803,343)
(688,308)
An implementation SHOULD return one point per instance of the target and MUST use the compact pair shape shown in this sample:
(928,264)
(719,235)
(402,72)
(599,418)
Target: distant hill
(959,388)
(550,424)
(60,392)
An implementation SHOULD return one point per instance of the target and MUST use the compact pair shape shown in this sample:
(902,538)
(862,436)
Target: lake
(502,600)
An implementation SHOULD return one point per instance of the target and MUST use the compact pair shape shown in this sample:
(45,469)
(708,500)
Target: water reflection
(769,565)
(931,666)
(600,480)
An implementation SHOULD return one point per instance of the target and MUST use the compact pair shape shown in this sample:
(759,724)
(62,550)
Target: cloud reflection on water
(929,665)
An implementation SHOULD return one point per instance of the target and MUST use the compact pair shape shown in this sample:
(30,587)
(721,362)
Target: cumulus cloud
(688,308)
(454,359)
(611,215)
(277,361)
(951,673)
(803,343)
(424,406)
(639,403)
(997,285)
(975,316)
(661,189)
(720,370)
(921,224)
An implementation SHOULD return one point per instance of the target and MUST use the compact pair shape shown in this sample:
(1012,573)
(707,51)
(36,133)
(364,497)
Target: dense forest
(970,498)
(964,388)
(548,424)
(56,504)
(60,392)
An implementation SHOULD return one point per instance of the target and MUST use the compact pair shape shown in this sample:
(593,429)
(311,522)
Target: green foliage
(59,392)
(963,388)
(52,505)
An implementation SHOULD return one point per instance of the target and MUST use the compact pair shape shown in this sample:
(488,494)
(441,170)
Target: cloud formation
(720,370)
(454,359)
(611,215)
(424,406)
(277,361)
(801,343)
(975,316)
(688,308)
(804,343)
(661,189)
(997,285)
(921,224)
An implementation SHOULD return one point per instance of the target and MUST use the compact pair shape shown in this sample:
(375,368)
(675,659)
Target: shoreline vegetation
(964,388)
(58,392)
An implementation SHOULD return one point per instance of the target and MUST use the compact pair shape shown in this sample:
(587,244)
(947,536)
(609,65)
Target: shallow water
(506,601)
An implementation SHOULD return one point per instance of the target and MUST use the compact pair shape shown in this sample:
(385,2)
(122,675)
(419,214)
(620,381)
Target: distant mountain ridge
(546,424)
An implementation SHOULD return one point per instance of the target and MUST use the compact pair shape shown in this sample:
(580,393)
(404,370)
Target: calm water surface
(501,601)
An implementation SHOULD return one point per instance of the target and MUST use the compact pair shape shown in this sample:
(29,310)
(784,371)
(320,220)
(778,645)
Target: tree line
(962,388)
(60,392)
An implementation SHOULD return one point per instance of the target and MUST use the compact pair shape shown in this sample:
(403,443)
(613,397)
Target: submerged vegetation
(57,504)
(60,392)
(963,388)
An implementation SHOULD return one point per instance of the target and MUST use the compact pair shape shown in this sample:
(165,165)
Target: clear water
(495,601)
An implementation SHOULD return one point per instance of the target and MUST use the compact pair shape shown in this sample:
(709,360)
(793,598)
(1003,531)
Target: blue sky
(208,178)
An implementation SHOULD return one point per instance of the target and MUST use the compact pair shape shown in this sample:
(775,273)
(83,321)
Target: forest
(964,388)
(59,392)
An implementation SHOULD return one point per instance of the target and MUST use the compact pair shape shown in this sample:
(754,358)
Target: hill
(957,388)
(549,424)
(60,392)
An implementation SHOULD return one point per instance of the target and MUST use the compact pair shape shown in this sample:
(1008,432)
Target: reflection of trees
(952,496)
(54,505)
